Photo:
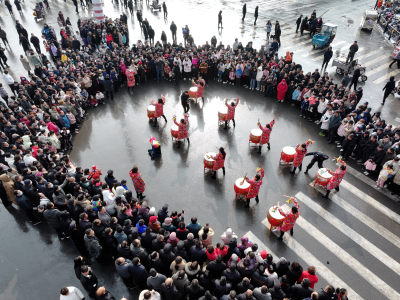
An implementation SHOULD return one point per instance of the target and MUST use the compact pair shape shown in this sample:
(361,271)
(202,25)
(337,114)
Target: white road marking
(370,53)
(387,234)
(349,260)
(371,201)
(323,271)
(261,246)
(337,43)
(386,77)
(376,60)
(374,71)
(350,233)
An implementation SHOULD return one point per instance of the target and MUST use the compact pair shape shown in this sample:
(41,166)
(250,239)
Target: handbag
(370,165)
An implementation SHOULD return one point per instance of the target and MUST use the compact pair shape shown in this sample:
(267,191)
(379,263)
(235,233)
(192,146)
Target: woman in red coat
(255,185)
(282,89)
(130,78)
(159,108)
(231,112)
(182,129)
(200,87)
(266,132)
(219,162)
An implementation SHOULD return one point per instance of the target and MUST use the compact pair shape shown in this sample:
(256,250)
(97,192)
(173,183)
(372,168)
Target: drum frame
(207,168)
(320,183)
(252,144)
(282,162)
(196,99)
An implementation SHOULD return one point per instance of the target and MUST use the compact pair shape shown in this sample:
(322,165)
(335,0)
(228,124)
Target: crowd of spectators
(158,251)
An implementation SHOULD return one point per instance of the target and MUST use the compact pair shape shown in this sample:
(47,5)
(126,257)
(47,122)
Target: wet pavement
(35,264)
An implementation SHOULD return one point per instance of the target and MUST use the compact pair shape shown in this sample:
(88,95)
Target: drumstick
(244,178)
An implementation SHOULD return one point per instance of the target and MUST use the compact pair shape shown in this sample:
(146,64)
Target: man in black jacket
(88,280)
(35,42)
(173,30)
(185,101)
(318,157)
(352,51)
(301,291)
(388,88)
(327,57)
(52,216)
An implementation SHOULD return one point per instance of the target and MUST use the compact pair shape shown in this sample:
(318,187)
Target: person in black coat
(197,253)
(232,275)
(169,291)
(348,146)
(301,291)
(194,290)
(298,22)
(356,76)
(185,101)
(139,273)
(327,57)
(255,15)
(35,42)
(89,280)
(24,42)
(318,157)
(388,88)
(244,10)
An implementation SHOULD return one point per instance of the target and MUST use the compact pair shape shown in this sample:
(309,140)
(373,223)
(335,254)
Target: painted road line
(374,61)
(350,233)
(386,77)
(371,201)
(387,234)
(337,43)
(349,260)
(323,271)
(261,246)
(360,58)
(372,72)
(323,50)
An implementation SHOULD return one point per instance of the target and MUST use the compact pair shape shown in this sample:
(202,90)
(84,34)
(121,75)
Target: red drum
(275,218)
(208,160)
(174,131)
(287,154)
(151,111)
(255,135)
(193,92)
(241,186)
(223,113)
(322,177)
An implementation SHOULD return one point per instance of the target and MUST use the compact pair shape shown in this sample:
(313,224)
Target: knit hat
(264,254)
(234,257)
(168,221)
(152,211)
(153,219)
(190,236)
(172,236)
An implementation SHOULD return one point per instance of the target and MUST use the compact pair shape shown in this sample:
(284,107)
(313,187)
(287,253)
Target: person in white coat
(71,293)
(187,68)
(325,122)
(259,76)
(109,199)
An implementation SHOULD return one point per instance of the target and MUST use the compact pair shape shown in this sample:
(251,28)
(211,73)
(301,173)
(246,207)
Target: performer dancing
(94,174)
(290,218)
(318,157)
(301,151)
(255,185)
(266,132)
(159,108)
(231,112)
(138,182)
(182,131)
(219,162)
(336,178)
(200,87)
(130,78)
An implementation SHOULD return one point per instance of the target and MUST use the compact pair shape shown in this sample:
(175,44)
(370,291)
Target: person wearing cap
(154,224)
(167,225)
(110,179)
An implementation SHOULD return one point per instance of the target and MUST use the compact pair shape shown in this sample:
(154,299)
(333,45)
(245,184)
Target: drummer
(200,87)
(290,218)
(231,112)
(318,157)
(336,178)
(138,182)
(159,108)
(301,151)
(219,162)
(185,101)
(266,132)
(182,129)
(255,185)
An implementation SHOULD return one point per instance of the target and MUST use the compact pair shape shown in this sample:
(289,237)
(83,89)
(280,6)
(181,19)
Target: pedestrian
(138,182)
(290,218)
(3,58)
(24,42)
(164,6)
(130,6)
(25,63)
(352,51)
(268,29)
(76,5)
(185,101)
(10,81)
(9,7)
(388,88)
(278,33)
(3,36)
(89,280)
(318,157)
(173,29)
(92,244)
(298,23)
(71,293)
(244,10)
(36,43)
(395,60)
(103,294)
(303,25)
(17,4)
(151,35)
(327,57)
(255,15)
(25,204)
(220,19)
(356,76)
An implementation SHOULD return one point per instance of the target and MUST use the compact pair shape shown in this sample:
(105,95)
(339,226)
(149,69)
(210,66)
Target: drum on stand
(322,177)
(193,93)
(151,111)
(287,155)
(222,115)
(241,187)
(208,160)
(255,136)
(174,132)
(275,218)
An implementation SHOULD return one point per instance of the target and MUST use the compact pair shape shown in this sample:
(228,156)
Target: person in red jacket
(310,274)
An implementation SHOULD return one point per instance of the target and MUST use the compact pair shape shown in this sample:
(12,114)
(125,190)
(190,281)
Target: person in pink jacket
(266,132)
(282,89)
(290,218)
(231,112)
(219,162)
(255,185)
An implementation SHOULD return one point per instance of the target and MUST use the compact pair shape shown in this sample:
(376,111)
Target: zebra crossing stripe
(377,59)
(323,271)
(387,234)
(350,233)
(349,260)
(386,77)
(371,201)
(337,43)
(370,53)
(261,246)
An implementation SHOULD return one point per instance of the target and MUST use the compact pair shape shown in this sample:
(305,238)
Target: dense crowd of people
(158,252)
